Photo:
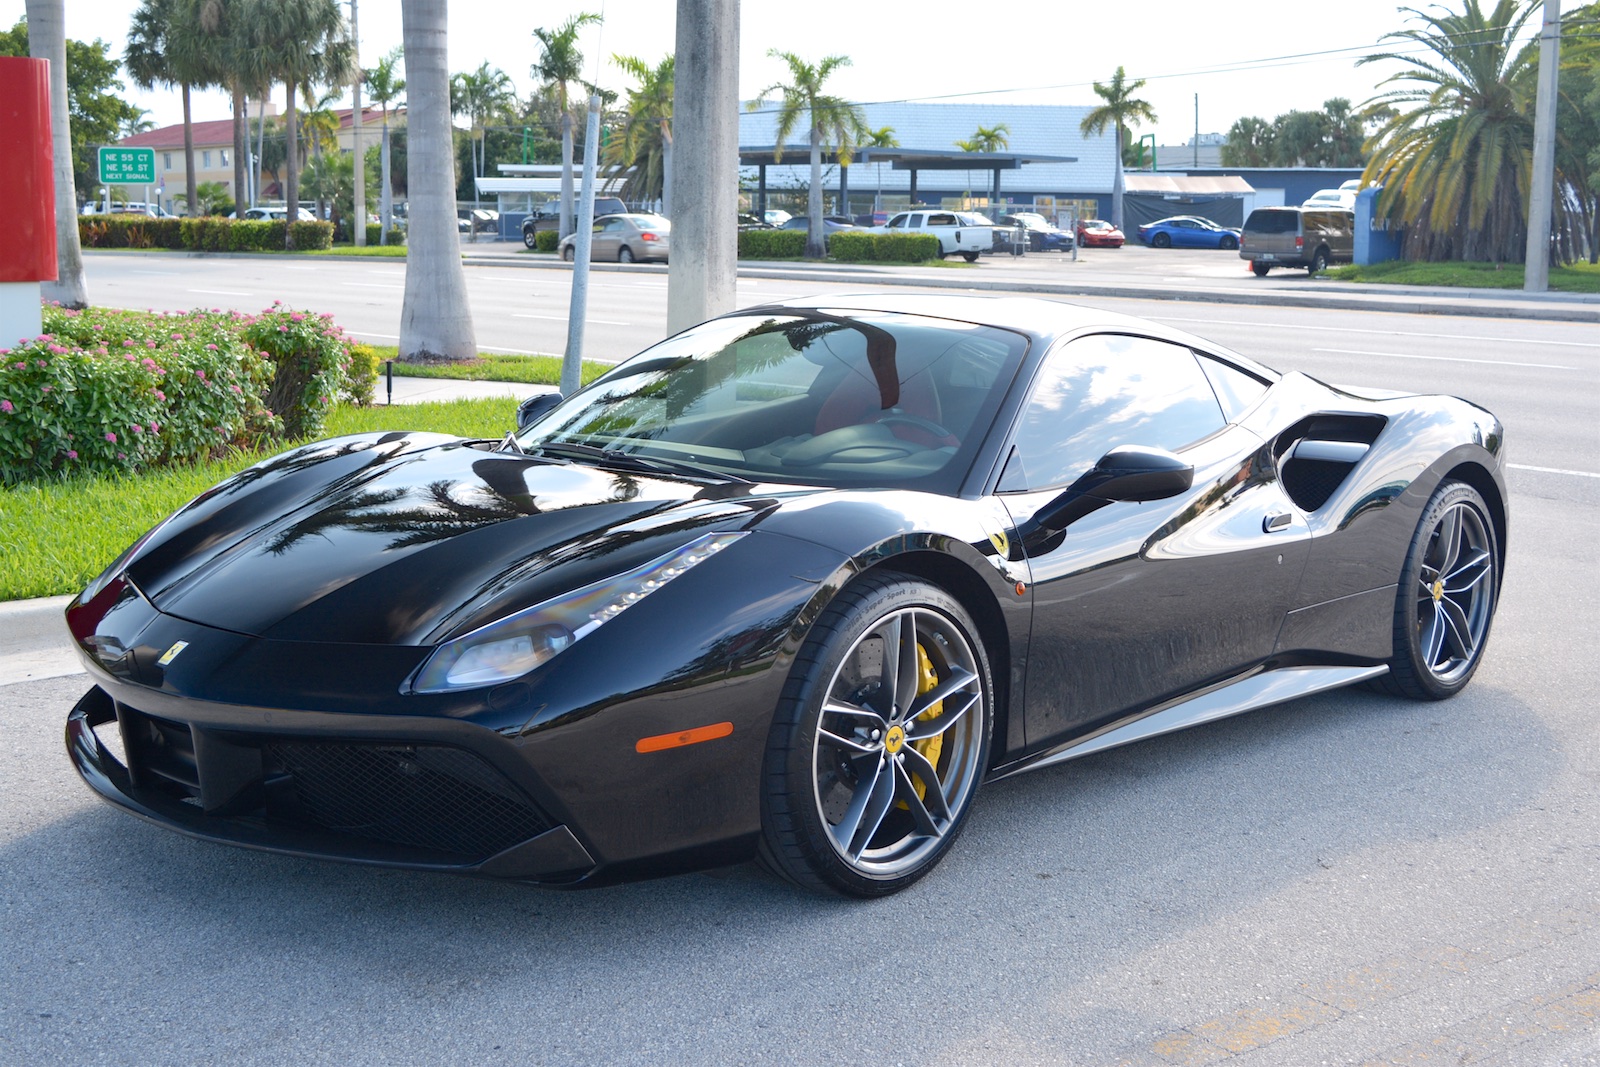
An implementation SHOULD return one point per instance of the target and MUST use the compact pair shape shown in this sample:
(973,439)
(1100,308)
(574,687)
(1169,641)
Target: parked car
(548,216)
(275,213)
(479,220)
(959,232)
(754,222)
(831,224)
(121,207)
(1340,198)
(1188,231)
(796,582)
(777,216)
(1042,237)
(624,238)
(1098,233)
(1309,237)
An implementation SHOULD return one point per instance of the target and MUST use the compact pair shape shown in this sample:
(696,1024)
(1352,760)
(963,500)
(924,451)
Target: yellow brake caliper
(929,747)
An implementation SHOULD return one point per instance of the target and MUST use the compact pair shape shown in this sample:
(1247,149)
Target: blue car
(1042,237)
(1188,231)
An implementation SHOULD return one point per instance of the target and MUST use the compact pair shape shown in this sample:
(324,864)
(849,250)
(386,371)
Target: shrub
(882,247)
(360,374)
(397,234)
(309,354)
(772,244)
(255,235)
(129,231)
(310,236)
(111,391)
(546,240)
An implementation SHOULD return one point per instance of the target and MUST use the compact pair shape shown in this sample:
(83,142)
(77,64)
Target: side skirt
(1247,694)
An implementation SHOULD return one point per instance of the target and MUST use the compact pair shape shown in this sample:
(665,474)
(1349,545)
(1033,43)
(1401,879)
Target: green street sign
(127,166)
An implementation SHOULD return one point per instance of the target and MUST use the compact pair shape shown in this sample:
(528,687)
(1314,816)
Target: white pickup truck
(959,232)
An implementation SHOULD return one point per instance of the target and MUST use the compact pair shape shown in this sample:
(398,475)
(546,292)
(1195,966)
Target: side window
(916,222)
(898,222)
(1235,389)
(941,220)
(1098,392)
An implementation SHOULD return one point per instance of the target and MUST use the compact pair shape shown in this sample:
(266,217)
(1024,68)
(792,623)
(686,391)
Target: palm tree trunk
(1116,184)
(291,184)
(435,319)
(191,186)
(666,169)
(241,151)
(385,206)
(816,243)
(47,39)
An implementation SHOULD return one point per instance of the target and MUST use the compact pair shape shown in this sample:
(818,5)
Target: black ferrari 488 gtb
(792,584)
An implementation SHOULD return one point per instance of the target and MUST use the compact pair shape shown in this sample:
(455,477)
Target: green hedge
(772,244)
(200,234)
(849,247)
(397,234)
(546,240)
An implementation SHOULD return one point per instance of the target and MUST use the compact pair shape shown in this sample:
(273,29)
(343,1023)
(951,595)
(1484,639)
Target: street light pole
(1536,274)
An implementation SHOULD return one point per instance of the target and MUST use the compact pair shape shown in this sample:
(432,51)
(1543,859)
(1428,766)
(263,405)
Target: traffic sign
(127,166)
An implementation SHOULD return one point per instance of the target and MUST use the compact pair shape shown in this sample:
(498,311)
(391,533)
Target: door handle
(1274,523)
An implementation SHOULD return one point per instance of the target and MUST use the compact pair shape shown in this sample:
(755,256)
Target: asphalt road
(1346,879)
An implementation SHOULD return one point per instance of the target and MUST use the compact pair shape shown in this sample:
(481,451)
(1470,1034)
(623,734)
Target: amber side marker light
(661,742)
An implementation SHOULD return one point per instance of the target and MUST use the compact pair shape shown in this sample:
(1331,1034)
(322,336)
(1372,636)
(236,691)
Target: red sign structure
(27,178)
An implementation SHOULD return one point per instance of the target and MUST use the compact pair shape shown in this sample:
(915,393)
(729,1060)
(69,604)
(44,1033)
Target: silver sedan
(624,238)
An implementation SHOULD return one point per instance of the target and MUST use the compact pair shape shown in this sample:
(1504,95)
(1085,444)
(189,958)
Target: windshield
(861,399)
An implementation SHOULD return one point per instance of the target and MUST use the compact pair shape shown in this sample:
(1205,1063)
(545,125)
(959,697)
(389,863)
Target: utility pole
(1536,276)
(703,270)
(1197,129)
(358,226)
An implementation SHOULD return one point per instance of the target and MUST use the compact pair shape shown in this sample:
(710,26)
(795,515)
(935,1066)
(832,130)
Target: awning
(1185,185)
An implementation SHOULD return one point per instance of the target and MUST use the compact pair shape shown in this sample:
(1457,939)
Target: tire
(1229,244)
(1448,590)
(847,802)
(1319,261)
(970,257)
(529,238)
(1161,240)
(624,254)
(569,253)
(1260,269)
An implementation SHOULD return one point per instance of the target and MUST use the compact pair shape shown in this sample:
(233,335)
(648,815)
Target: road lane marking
(564,318)
(220,292)
(1380,333)
(1441,359)
(376,285)
(1553,470)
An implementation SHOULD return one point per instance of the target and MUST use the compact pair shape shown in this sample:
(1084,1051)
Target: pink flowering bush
(107,391)
(311,356)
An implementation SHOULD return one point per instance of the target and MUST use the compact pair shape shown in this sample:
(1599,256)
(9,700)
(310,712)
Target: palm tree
(310,44)
(883,137)
(824,114)
(1119,112)
(646,138)
(1249,143)
(47,39)
(320,130)
(385,87)
(234,32)
(484,94)
(165,48)
(435,319)
(988,139)
(560,64)
(1455,156)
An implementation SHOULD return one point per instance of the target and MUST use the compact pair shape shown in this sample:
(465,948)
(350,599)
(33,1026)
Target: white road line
(564,318)
(220,292)
(162,273)
(1380,333)
(1440,359)
(1553,470)
(375,285)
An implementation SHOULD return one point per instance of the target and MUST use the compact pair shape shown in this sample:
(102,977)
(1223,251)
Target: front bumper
(379,791)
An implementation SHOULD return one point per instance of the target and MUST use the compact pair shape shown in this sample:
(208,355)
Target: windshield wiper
(634,461)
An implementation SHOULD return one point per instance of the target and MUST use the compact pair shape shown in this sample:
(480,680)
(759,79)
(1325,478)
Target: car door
(1138,603)
(1187,234)
(606,241)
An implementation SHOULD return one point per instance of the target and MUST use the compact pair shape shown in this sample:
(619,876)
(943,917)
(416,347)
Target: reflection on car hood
(390,545)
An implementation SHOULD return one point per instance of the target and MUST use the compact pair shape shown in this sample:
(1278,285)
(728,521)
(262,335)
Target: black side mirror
(535,408)
(1126,473)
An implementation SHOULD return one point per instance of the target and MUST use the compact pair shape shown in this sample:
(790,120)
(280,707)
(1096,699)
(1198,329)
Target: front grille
(423,796)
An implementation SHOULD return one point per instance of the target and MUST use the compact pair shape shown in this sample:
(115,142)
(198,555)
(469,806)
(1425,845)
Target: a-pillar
(703,271)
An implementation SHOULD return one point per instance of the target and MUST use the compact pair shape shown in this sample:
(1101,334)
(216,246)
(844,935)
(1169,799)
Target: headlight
(511,647)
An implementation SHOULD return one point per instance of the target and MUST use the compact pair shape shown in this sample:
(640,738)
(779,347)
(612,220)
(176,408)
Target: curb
(36,642)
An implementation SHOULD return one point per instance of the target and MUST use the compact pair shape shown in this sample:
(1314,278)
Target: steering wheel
(891,418)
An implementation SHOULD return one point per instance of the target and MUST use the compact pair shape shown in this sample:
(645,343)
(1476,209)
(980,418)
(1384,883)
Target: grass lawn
(55,537)
(1579,278)
(490,367)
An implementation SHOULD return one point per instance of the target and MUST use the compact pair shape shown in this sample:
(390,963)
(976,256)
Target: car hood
(406,540)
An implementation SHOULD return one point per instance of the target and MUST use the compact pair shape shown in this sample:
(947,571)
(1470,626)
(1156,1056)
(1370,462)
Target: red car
(1098,233)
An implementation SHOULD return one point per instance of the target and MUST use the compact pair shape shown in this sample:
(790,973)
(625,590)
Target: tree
(824,114)
(560,64)
(882,137)
(1249,144)
(1297,139)
(47,39)
(237,34)
(1455,158)
(988,139)
(94,101)
(384,88)
(320,131)
(484,94)
(644,144)
(435,319)
(1120,110)
(165,48)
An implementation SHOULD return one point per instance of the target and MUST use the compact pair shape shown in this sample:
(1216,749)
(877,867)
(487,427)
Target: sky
(1242,58)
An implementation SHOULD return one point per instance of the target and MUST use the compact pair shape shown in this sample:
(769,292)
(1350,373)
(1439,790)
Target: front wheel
(569,254)
(624,254)
(529,238)
(1448,589)
(879,741)
(970,257)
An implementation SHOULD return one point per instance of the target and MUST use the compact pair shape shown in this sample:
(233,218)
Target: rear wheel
(624,254)
(1161,240)
(1260,269)
(1319,261)
(1446,601)
(879,742)
(970,257)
